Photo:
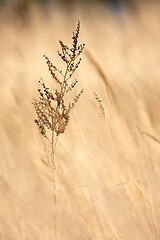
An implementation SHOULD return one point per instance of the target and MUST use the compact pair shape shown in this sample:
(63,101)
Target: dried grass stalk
(102,75)
(53,113)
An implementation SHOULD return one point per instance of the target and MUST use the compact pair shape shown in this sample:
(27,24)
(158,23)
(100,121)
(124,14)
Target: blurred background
(22,8)
(107,166)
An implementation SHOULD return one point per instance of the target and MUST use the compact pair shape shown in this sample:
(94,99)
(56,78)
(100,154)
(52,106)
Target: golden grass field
(108,168)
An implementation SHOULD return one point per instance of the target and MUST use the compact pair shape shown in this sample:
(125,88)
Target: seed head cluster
(100,102)
(52,111)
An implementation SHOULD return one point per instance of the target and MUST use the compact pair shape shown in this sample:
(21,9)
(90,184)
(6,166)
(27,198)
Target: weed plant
(53,113)
(52,109)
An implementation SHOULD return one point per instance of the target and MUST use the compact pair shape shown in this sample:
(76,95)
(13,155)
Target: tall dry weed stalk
(53,112)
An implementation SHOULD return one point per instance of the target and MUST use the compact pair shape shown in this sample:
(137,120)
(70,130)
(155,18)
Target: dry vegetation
(107,161)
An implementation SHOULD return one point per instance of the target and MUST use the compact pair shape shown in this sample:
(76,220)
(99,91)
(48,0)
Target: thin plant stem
(53,113)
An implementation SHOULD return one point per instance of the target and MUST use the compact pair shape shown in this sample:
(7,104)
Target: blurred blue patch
(118,8)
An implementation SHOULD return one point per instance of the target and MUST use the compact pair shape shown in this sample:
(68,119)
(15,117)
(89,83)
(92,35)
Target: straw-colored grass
(107,176)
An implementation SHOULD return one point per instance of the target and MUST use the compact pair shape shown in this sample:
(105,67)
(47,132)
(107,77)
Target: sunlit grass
(108,166)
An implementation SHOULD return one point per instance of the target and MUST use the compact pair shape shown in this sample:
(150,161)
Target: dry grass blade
(149,135)
(101,73)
